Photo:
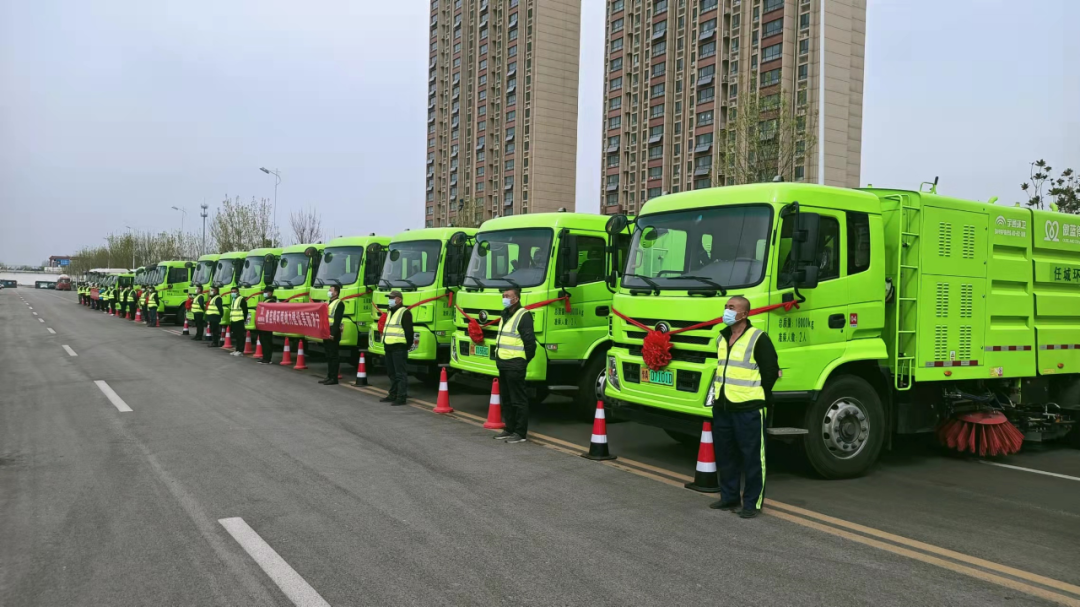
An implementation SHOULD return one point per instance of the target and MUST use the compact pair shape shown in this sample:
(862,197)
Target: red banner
(310,319)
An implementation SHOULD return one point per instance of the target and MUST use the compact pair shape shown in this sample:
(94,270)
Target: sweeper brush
(981,432)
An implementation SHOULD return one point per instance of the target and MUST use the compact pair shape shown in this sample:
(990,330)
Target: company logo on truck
(1010,227)
(1052,230)
(1061,232)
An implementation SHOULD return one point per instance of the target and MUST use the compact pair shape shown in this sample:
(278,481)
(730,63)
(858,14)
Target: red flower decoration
(476,333)
(656,350)
(382,323)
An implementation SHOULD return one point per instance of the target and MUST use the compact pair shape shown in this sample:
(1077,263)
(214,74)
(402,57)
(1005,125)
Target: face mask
(729,317)
(266,295)
(391,303)
(506,302)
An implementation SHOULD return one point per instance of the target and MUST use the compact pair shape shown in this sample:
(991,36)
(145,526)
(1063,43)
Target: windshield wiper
(408,282)
(333,280)
(477,281)
(386,283)
(318,282)
(704,280)
(647,280)
(512,282)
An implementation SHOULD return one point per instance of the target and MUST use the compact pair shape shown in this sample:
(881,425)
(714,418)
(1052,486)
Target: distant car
(44,284)
(10,284)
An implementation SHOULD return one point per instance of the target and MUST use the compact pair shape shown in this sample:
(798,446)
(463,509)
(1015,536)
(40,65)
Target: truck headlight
(613,373)
(710,397)
(453,349)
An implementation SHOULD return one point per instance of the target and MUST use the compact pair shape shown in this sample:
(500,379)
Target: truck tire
(683,438)
(847,428)
(590,389)
(1068,398)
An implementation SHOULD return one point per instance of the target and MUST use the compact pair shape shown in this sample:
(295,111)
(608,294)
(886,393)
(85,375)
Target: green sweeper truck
(892,312)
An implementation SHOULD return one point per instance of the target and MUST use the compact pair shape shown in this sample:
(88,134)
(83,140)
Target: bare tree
(764,137)
(306,225)
(242,226)
(469,212)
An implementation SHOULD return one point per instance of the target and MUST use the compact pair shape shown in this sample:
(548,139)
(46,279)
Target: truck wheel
(1068,398)
(590,389)
(683,438)
(847,428)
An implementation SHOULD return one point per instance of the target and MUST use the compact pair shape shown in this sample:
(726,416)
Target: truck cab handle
(836,321)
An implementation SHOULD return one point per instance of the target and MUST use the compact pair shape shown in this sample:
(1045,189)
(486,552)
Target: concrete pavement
(373,505)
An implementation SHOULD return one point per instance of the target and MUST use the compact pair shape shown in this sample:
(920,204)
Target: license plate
(661,378)
(479,350)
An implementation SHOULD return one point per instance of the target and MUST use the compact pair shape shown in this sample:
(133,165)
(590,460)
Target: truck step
(786,431)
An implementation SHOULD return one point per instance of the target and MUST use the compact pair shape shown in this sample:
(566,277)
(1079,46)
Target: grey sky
(112,111)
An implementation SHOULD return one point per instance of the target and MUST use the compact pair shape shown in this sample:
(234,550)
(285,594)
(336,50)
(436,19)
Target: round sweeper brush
(981,432)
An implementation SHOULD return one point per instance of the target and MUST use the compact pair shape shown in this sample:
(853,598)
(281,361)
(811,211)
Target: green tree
(1043,189)
(469,212)
(764,137)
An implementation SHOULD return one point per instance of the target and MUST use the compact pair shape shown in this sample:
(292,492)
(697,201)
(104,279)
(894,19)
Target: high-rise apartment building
(502,108)
(676,71)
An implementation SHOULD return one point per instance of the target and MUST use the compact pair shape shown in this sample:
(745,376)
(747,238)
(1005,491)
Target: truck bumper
(462,359)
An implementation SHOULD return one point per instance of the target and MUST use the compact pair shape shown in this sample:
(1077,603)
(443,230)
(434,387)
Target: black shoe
(387,399)
(396,403)
(323,381)
(515,439)
(329,382)
(749,512)
(731,506)
(503,435)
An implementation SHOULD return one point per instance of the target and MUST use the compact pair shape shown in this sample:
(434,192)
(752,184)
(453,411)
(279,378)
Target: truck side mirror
(567,263)
(806,277)
(373,265)
(804,238)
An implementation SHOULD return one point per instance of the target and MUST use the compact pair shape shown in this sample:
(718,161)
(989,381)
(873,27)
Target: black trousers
(266,338)
(239,336)
(333,358)
(215,330)
(200,323)
(152,317)
(515,400)
(740,453)
(396,357)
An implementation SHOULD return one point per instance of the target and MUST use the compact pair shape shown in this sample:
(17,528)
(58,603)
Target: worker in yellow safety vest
(515,347)
(214,311)
(335,312)
(396,337)
(237,318)
(152,303)
(746,370)
(198,310)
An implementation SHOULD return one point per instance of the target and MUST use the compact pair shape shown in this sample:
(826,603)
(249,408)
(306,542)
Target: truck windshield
(292,270)
(699,248)
(253,271)
(203,272)
(506,258)
(226,271)
(412,264)
(340,266)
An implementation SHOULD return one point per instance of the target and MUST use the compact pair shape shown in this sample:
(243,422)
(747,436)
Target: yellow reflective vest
(509,342)
(211,307)
(395,333)
(737,375)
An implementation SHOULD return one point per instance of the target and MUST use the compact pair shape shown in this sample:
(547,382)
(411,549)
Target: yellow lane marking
(975,573)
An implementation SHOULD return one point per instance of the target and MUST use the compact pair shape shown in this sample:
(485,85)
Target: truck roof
(580,221)
(210,257)
(358,241)
(232,255)
(173,263)
(778,193)
(300,248)
(263,251)
(430,234)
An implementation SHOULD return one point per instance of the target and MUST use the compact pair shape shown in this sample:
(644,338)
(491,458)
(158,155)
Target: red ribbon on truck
(310,319)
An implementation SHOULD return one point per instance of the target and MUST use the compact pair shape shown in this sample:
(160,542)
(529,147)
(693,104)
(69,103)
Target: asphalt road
(232,483)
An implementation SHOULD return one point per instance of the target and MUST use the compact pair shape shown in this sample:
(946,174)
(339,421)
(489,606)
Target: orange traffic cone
(361,371)
(186,332)
(207,336)
(286,358)
(228,339)
(158,324)
(258,348)
(442,405)
(247,344)
(300,363)
(706,479)
(494,420)
(598,449)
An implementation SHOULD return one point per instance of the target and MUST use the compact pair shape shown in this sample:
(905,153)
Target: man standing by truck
(746,371)
(198,309)
(237,319)
(213,315)
(152,303)
(336,312)
(396,344)
(515,347)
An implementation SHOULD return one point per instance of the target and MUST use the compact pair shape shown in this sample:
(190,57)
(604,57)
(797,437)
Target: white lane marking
(51,330)
(1032,470)
(287,579)
(34,313)
(70,351)
(41,320)
(113,397)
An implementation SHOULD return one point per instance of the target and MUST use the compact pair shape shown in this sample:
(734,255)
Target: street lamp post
(277,174)
(131,239)
(109,262)
(183,216)
(204,215)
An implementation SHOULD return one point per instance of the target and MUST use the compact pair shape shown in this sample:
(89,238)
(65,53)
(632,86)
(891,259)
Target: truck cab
(345,265)
(171,281)
(226,274)
(295,273)
(201,278)
(427,264)
(549,256)
(259,268)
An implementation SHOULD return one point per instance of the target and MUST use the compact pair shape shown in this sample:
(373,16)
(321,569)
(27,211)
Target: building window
(656,151)
(736,19)
(513,35)
(659,29)
(654,192)
(708,27)
(803,71)
(483,51)
(702,183)
(483,64)
(480,156)
(613,143)
(800,98)
(656,172)
(770,77)
(705,74)
(512,51)
(659,49)
(800,174)
(616,25)
(707,50)
(617,6)
(457,33)
(511,99)
(703,142)
(804,46)
(773,28)
(612,199)
(457,47)
(479,171)
(453,191)
(612,182)
(482,110)
(511,115)
(616,44)
(770,102)
(616,83)
(657,90)
(483,34)
(510,132)
(707,5)
(508,182)
(482,95)
(616,64)
(613,160)
(479,186)
(511,84)
(614,122)
(804,21)
(656,111)
(771,53)
(480,142)
(706,94)
(509,165)
(705,118)
(614,103)
(658,69)
(660,7)
(510,148)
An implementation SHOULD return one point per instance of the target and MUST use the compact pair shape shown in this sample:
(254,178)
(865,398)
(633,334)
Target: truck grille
(682,339)
(685,356)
